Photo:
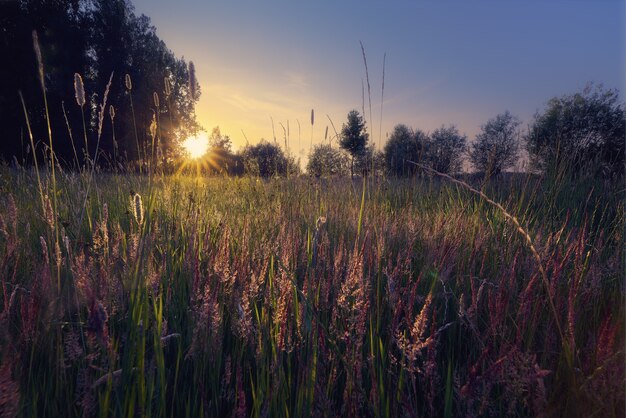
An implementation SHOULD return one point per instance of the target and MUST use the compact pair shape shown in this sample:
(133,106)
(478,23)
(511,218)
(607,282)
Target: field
(182,296)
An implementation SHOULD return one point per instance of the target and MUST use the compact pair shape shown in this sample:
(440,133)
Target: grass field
(189,296)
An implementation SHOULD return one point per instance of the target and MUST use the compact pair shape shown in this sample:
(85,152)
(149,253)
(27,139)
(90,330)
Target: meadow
(194,296)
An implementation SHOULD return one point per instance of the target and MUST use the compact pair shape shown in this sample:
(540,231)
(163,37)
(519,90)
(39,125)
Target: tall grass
(228,296)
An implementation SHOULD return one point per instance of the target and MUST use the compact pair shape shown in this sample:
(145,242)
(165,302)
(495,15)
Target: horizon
(463,65)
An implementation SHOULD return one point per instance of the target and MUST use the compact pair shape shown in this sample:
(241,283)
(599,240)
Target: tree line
(576,135)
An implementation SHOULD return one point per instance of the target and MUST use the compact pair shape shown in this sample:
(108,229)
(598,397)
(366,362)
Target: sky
(447,62)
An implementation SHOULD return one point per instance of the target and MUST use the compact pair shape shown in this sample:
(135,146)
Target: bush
(327,161)
(266,160)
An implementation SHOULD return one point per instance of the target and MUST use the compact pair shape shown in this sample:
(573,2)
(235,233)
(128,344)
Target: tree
(93,38)
(446,149)
(582,133)
(221,158)
(327,161)
(354,137)
(266,160)
(404,145)
(496,146)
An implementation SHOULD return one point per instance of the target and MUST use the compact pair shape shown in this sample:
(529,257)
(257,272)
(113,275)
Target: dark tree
(63,37)
(496,146)
(446,149)
(580,134)
(354,137)
(405,145)
(94,38)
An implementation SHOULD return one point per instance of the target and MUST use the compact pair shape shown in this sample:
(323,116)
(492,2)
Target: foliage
(266,160)
(446,149)
(327,161)
(496,147)
(404,145)
(581,133)
(95,39)
(354,137)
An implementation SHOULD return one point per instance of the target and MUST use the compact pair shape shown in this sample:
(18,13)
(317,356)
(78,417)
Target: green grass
(414,298)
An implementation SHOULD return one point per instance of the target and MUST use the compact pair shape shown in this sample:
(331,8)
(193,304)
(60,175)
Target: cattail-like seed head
(138,208)
(128,82)
(312,116)
(79,89)
(38,55)
(192,80)
(155,97)
(326,133)
(168,87)
(112,112)
(153,126)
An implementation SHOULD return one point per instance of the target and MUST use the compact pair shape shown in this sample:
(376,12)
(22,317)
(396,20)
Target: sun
(196,146)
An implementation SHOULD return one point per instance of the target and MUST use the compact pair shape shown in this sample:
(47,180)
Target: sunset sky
(447,61)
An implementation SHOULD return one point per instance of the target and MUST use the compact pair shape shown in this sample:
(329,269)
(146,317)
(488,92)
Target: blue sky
(459,62)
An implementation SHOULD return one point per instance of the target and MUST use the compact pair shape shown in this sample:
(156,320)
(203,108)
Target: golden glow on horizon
(196,146)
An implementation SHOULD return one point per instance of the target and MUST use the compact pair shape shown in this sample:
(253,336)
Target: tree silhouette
(404,145)
(354,137)
(496,146)
(93,38)
(582,134)
(446,148)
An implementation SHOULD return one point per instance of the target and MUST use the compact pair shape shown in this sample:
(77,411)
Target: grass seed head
(79,89)
(138,208)
(38,55)
(153,126)
(128,82)
(168,87)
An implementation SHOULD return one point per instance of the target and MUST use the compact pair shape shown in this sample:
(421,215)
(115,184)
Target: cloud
(297,81)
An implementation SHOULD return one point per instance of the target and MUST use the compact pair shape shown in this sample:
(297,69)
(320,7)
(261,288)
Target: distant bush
(266,160)
(327,161)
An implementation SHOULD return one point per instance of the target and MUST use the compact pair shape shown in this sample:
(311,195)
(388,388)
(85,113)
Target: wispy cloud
(296,80)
